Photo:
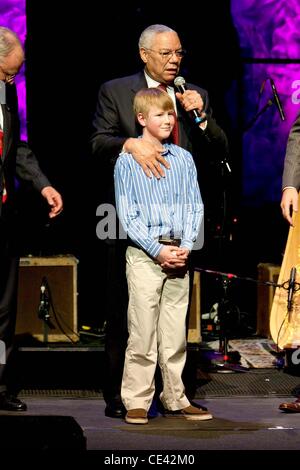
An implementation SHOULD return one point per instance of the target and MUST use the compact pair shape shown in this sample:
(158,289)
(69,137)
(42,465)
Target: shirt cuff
(154,249)
(187,244)
(203,125)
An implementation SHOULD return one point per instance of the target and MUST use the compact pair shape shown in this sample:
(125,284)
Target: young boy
(162,219)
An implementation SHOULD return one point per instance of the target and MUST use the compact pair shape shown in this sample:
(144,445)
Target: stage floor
(62,387)
(252,423)
(244,406)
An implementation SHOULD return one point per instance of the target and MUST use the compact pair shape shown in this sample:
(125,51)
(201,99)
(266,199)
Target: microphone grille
(179,81)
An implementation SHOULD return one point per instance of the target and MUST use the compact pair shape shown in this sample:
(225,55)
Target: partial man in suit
(289,204)
(291,173)
(16,161)
(116,130)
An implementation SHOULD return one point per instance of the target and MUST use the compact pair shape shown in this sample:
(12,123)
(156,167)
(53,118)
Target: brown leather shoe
(293,407)
(190,413)
(195,414)
(136,416)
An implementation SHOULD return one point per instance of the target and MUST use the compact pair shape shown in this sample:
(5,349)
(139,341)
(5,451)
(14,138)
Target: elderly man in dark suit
(115,129)
(16,161)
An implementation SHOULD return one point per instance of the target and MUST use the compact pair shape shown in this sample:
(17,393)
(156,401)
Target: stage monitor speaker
(61,275)
(194,319)
(41,433)
(266,272)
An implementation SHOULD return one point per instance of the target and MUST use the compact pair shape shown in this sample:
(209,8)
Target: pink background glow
(267,29)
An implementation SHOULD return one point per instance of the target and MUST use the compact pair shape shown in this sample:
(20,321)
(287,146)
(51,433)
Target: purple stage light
(13,16)
(268,32)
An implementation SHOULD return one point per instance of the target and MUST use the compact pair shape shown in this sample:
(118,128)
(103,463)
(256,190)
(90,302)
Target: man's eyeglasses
(167,54)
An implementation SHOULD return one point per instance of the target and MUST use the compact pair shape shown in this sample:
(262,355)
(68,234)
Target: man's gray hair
(146,38)
(8,41)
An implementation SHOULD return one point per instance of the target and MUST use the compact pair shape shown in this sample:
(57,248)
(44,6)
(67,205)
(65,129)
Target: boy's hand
(173,257)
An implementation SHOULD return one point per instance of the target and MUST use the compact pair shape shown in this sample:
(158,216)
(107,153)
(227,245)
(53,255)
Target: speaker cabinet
(194,319)
(60,273)
(266,272)
(41,433)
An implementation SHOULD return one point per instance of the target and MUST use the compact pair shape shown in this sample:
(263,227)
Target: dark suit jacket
(291,172)
(114,120)
(17,159)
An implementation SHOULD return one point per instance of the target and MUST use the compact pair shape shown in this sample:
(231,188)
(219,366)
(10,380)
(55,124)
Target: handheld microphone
(277,100)
(291,288)
(179,82)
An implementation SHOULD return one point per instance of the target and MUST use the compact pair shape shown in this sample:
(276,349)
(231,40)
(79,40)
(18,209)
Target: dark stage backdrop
(70,53)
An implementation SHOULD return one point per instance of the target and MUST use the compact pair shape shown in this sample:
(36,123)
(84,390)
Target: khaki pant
(156,322)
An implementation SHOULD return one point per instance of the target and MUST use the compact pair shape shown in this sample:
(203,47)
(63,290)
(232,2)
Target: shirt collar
(168,148)
(153,83)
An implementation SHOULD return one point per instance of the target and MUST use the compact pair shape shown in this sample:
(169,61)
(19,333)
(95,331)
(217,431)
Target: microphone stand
(43,311)
(256,116)
(46,331)
(225,310)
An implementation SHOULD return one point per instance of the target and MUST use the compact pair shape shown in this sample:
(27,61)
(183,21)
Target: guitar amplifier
(266,272)
(60,273)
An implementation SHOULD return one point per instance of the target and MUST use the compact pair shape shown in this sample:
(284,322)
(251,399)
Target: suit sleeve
(27,166)
(106,140)
(28,169)
(213,132)
(212,141)
(291,170)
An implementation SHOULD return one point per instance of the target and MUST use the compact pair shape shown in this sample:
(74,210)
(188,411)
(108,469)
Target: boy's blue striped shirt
(151,207)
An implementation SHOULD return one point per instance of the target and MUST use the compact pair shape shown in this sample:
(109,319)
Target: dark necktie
(175,132)
(4,194)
